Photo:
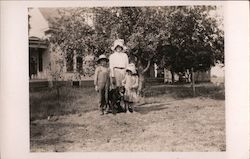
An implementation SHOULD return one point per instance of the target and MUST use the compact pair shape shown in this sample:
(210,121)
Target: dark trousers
(103,97)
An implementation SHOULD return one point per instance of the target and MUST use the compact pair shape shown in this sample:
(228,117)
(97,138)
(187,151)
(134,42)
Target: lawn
(167,118)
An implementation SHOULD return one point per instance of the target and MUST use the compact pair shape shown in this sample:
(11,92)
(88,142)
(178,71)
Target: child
(101,81)
(131,84)
(118,62)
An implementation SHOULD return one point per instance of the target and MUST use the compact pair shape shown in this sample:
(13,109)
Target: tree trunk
(193,82)
(172,76)
(141,74)
(141,84)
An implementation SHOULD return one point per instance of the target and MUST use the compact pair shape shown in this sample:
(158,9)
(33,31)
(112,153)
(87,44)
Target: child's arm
(108,77)
(136,85)
(124,80)
(111,66)
(126,60)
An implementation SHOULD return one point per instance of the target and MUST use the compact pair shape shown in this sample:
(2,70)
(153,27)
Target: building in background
(43,56)
(218,74)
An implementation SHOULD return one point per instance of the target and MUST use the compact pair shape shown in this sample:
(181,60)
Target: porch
(38,58)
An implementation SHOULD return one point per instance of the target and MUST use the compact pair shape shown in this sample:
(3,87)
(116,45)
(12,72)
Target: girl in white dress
(131,84)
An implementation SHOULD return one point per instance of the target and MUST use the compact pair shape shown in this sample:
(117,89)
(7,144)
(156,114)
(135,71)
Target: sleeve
(111,66)
(108,77)
(136,85)
(96,76)
(124,81)
(126,60)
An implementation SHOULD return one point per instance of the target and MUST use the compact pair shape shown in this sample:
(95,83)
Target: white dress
(131,83)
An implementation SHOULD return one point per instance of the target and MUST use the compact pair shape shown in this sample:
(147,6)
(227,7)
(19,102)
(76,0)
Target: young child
(101,81)
(131,84)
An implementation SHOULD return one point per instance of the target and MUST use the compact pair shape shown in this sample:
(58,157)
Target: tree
(56,69)
(73,34)
(132,24)
(140,27)
(179,37)
(195,39)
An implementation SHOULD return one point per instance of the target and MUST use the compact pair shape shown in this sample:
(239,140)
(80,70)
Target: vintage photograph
(127,79)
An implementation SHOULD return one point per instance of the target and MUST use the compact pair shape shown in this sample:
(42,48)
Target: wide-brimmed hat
(102,57)
(131,67)
(119,42)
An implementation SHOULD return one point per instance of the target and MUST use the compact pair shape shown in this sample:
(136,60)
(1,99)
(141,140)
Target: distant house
(43,56)
(200,76)
(218,74)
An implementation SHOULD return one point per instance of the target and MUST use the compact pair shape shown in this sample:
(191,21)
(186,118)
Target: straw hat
(102,57)
(119,42)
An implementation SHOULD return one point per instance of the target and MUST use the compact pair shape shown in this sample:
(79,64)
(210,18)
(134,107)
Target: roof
(50,14)
(35,42)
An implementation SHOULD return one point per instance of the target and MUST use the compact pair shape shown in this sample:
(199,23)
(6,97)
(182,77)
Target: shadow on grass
(152,107)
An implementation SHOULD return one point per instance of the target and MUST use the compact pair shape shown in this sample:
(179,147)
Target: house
(218,74)
(47,60)
(38,58)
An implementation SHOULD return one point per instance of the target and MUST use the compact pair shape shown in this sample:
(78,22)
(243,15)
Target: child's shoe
(131,109)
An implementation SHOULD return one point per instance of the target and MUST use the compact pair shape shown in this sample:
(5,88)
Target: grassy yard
(167,118)
(72,100)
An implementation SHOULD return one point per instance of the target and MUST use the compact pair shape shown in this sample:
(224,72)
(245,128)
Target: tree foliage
(179,37)
(194,41)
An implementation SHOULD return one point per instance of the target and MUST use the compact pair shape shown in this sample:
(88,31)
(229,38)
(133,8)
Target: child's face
(103,62)
(118,49)
(129,72)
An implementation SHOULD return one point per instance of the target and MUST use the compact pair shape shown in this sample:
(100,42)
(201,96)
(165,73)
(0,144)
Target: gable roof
(35,42)
(37,23)
(50,14)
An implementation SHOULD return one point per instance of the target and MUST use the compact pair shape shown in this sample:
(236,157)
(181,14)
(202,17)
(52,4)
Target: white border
(14,81)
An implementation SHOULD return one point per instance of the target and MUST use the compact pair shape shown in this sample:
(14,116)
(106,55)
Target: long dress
(118,62)
(131,83)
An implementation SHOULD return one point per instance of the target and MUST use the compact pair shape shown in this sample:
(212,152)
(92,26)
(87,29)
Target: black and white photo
(147,78)
(124,79)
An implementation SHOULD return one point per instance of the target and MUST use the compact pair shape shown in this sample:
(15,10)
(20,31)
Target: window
(40,60)
(79,64)
(76,83)
(69,62)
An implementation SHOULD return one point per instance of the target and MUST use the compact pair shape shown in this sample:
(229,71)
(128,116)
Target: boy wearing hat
(118,62)
(101,81)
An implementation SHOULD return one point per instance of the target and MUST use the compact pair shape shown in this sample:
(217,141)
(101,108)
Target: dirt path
(177,125)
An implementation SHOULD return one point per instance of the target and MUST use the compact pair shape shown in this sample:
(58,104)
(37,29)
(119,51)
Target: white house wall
(46,59)
(53,56)
(218,74)
(38,23)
